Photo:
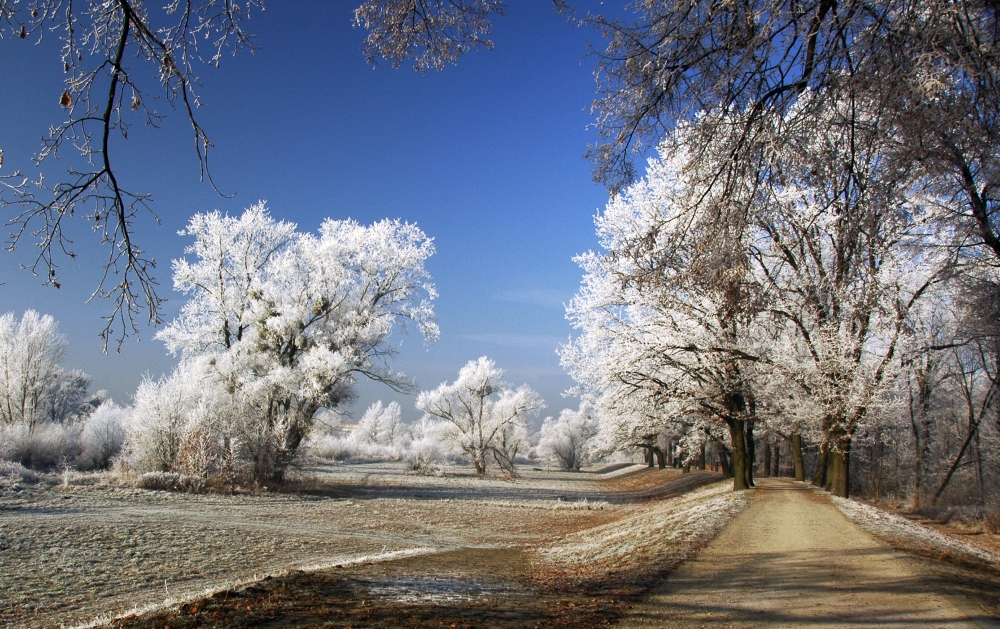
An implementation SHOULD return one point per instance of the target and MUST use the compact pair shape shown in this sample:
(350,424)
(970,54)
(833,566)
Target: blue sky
(486,157)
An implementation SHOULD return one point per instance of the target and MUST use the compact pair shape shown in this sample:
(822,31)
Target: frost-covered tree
(665,311)
(564,441)
(68,397)
(484,417)
(30,352)
(381,425)
(283,322)
(42,405)
(846,245)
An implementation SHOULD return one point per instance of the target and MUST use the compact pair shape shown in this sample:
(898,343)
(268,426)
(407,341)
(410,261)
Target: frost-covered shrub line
(894,528)
(171,481)
(42,446)
(88,444)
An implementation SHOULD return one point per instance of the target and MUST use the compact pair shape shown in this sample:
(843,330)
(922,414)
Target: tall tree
(839,230)
(287,321)
(665,311)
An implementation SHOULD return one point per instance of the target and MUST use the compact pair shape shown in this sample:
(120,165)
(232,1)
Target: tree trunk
(838,477)
(737,430)
(819,478)
(766,470)
(727,469)
(751,452)
(661,462)
(647,455)
(701,457)
(777,459)
(800,468)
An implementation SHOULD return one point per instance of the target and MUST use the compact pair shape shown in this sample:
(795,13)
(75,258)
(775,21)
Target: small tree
(380,425)
(30,351)
(563,441)
(486,419)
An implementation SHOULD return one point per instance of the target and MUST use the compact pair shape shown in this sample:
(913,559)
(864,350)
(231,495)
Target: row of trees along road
(878,120)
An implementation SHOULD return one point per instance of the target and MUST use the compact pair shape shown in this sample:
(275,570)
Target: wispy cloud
(535,341)
(546,298)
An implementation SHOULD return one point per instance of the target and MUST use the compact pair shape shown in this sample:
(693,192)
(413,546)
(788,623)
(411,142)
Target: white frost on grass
(666,532)
(176,601)
(910,535)
(550,505)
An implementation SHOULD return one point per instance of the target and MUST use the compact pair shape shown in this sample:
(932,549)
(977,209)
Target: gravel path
(791,559)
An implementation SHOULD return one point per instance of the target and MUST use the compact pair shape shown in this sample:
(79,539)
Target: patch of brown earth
(487,588)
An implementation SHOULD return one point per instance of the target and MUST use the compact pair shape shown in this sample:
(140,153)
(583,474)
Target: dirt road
(791,559)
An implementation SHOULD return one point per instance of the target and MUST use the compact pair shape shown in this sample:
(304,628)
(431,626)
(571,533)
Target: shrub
(43,446)
(102,436)
(428,448)
(379,436)
(17,472)
(170,481)
(156,424)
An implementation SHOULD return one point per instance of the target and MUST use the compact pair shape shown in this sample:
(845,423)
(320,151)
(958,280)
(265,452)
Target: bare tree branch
(102,99)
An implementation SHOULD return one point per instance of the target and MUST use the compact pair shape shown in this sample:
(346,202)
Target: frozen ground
(71,553)
(914,537)
(963,567)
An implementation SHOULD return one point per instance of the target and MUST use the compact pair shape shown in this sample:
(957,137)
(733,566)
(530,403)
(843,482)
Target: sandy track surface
(69,554)
(791,560)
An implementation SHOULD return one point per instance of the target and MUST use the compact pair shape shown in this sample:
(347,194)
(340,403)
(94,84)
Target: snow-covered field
(71,553)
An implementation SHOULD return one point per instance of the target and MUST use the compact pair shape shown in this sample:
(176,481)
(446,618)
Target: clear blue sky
(486,157)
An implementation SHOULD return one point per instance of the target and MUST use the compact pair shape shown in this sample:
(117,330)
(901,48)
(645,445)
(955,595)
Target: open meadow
(74,552)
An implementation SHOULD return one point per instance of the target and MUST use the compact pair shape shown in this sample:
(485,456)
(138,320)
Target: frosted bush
(170,481)
(157,421)
(102,436)
(329,446)
(563,442)
(379,436)
(43,446)
(350,448)
(429,446)
(17,472)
